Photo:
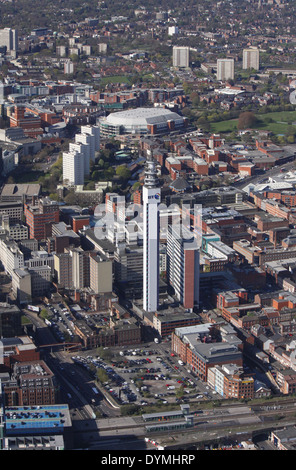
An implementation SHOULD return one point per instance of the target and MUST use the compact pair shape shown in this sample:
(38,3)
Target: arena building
(141,121)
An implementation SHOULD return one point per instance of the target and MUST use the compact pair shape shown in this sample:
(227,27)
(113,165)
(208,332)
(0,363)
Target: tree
(90,186)
(246,120)
(104,354)
(102,375)
(136,186)
(44,314)
(180,392)
(123,172)
(128,410)
(70,198)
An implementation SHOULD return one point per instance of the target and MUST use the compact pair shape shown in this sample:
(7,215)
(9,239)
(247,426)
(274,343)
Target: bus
(33,309)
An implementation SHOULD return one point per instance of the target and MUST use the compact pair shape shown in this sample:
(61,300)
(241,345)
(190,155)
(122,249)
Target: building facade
(225,69)
(251,58)
(183,266)
(180,56)
(39,215)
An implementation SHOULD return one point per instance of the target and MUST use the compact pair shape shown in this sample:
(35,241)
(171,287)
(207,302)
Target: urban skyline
(147,228)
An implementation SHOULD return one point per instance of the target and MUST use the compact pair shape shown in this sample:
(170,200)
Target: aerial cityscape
(148,227)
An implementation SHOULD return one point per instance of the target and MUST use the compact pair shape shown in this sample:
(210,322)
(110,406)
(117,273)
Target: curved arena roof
(142,117)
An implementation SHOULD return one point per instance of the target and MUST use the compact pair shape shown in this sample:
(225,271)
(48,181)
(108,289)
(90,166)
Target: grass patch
(115,79)
(224,126)
(25,320)
(277,123)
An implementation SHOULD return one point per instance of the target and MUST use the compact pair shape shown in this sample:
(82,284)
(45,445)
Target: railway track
(234,417)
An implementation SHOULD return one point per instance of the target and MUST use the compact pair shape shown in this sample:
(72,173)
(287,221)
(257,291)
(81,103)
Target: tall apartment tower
(151,200)
(94,132)
(180,56)
(73,167)
(183,266)
(9,39)
(68,67)
(251,58)
(225,69)
(76,162)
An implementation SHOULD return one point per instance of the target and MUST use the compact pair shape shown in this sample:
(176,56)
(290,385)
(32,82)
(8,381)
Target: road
(45,166)
(77,390)
(75,381)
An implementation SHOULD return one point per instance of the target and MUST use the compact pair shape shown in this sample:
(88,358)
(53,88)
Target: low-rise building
(32,383)
(230,381)
(197,350)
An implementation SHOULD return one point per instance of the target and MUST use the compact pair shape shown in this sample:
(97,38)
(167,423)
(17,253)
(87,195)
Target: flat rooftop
(45,418)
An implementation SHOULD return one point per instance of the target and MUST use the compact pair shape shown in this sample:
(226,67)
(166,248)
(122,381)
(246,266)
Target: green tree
(70,198)
(128,410)
(44,314)
(246,120)
(123,172)
(104,354)
(90,186)
(102,375)
(180,392)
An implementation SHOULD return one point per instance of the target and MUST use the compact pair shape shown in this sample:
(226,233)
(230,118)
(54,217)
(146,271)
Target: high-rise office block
(181,56)
(151,200)
(80,268)
(39,214)
(84,141)
(63,269)
(183,266)
(21,286)
(10,320)
(100,273)
(251,58)
(225,69)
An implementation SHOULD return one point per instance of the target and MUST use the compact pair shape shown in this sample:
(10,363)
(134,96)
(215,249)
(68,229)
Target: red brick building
(39,215)
(79,221)
(201,352)
(30,123)
(18,349)
(32,384)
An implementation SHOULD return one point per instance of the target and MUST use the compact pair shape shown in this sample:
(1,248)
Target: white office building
(173,30)
(11,256)
(225,69)
(21,285)
(151,200)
